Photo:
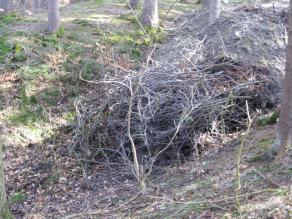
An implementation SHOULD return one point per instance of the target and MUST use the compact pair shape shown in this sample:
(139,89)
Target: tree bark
(4,210)
(134,4)
(214,11)
(53,16)
(284,129)
(205,4)
(36,5)
(44,4)
(149,15)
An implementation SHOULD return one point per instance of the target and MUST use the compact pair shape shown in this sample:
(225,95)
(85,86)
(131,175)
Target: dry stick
(134,151)
(238,188)
(133,146)
(231,199)
(170,8)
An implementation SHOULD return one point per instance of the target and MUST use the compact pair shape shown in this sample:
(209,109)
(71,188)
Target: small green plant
(70,116)
(4,48)
(32,72)
(17,197)
(27,117)
(265,142)
(156,34)
(29,112)
(7,19)
(18,57)
(82,22)
(45,40)
(270,119)
(52,179)
(21,33)
(60,33)
(17,53)
(97,32)
(90,68)
(50,96)
(74,51)
(282,192)
(135,53)
(120,38)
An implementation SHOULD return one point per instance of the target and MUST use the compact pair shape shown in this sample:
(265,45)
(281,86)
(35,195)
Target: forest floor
(39,86)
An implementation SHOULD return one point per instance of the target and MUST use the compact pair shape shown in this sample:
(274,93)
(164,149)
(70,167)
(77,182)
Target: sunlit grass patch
(33,72)
(28,117)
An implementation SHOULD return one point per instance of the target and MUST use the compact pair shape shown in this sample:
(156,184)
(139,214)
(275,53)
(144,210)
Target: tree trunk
(4,211)
(149,15)
(134,3)
(284,130)
(53,16)
(36,5)
(214,11)
(44,4)
(205,4)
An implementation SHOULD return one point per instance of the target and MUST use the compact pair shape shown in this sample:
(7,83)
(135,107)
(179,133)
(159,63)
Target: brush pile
(193,95)
(173,111)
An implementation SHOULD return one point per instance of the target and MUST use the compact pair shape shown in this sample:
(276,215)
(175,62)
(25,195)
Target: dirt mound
(255,36)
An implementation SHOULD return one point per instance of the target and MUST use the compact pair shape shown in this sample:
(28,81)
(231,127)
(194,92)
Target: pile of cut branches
(170,112)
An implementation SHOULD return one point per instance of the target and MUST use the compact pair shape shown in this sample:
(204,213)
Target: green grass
(133,43)
(30,113)
(270,119)
(8,19)
(4,48)
(70,116)
(265,143)
(28,117)
(52,40)
(82,22)
(89,68)
(11,51)
(17,197)
(50,96)
(74,51)
(34,72)
(52,179)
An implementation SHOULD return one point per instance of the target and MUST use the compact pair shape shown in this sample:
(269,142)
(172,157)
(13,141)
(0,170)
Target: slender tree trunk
(284,130)
(134,3)
(149,15)
(205,4)
(53,16)
(4,211)
(36,5)
(214,10)
(44,4)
